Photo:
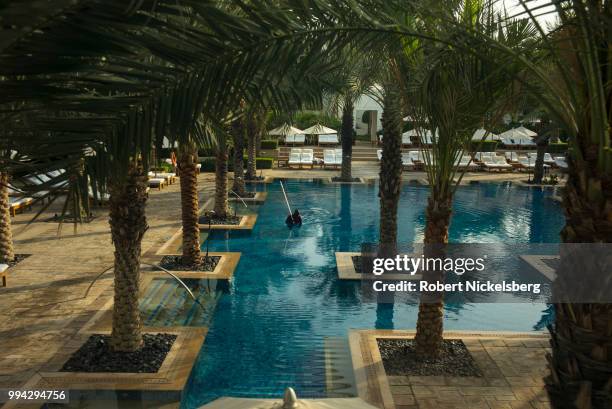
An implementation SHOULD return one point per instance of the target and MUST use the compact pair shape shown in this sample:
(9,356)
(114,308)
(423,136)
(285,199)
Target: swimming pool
(285,318)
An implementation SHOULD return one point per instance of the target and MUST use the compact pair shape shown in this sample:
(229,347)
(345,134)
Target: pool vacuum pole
(285,194)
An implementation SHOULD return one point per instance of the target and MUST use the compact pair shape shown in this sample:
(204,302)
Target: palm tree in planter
(390,184)
(255,124)
(450,92)
(7,252)
(238,130)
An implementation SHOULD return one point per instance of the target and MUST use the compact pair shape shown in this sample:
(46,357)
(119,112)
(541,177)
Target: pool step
(167,303)
(339,375)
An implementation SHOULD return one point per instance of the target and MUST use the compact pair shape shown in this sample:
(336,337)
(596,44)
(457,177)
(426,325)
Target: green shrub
(483,146)
(269,144)
(208,164)
(264,163)
(559,147)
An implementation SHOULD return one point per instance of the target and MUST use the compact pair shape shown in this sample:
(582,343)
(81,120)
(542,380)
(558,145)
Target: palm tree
(254,125)
(390,184)
(7,252)
(346,138)
(238,131)
(452,92)
(187,164)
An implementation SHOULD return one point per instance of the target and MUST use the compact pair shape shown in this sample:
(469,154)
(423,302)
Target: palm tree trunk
(187,163)
(238,130)
(128,225)
(390,185)
(221,202)
(252,130)
(347,140)
(538,171)
(581,359)
(7,252)
(430,322)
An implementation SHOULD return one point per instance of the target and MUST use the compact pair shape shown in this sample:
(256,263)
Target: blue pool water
(285,317)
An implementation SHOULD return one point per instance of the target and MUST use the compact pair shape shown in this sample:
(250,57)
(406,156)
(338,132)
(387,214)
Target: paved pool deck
(50,295)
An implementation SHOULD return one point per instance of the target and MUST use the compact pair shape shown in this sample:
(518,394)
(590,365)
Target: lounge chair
(533,156)
(339,155)
(561,163)
(511,157)
(331,139)
(19,203)
(307,157)
(169,177)
(495,162)
(548,159)
(526,162)
(406,139)
(294,157)
(157,183)
(465,162)
(3,273)
(295,139)
(379,154)
(407,161)
(329,158)
(482,157)
(416,158)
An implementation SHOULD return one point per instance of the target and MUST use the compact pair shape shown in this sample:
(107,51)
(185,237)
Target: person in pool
(294,219)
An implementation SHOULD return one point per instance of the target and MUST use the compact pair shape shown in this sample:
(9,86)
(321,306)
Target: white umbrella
(527,132)
(284,130)
(319,129)
(289,402)
(480,133)
(515,136)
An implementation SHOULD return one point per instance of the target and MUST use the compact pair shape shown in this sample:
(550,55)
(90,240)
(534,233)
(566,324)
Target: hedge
(559,147)
(483,146)
(269,144)
(208,163)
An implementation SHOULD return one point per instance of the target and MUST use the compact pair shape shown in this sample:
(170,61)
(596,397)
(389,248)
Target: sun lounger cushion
(307,156)
(3,268)
(329,157)
(379,154)
(331,139)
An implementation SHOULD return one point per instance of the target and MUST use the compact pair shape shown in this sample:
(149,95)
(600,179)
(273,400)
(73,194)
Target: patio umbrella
(319,129)
(288,403)
(527,132)
(480,133)
(284,130)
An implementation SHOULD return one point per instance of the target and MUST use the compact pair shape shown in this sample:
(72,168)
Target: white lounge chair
(329,158)
(339,155)
(3,272)
(379,154)
(19,203)
(547,163)
(330,139)
(561,163)
(496,162)
(169,177)
(307,157)
(511,157)
(294,157)
(406,139)
(465,162)
(157,183)
(407,160)
(484,157)
(548,159)
(526,162)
